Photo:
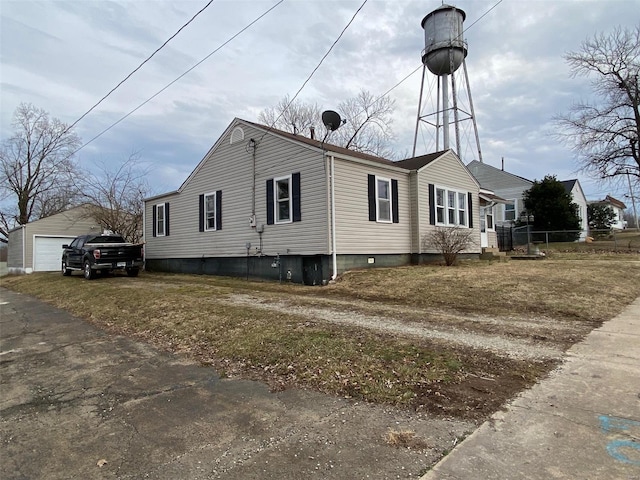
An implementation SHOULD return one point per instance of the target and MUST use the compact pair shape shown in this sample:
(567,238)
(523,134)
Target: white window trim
(276,202)
(488,211)
(515,210)
(378,219)
(455,207)
(164,220)
(215,218)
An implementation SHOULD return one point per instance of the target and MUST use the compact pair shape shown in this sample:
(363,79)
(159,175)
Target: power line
(419,67)
(315,69)
(179,77)
(140,66)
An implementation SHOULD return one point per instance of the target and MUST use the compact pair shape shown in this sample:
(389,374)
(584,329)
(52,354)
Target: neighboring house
(37,246)
(271,204)
(512,187)
(618,209)
(505,185)
(574,188)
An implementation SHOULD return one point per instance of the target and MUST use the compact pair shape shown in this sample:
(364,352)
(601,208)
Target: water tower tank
(445,48)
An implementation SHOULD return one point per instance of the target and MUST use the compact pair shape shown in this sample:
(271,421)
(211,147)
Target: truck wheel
(133,272)
(65,271)
(89,274)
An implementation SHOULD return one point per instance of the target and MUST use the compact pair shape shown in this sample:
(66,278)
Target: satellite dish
(331,120)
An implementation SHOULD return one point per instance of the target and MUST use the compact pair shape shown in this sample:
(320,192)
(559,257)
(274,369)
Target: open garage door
(47,252)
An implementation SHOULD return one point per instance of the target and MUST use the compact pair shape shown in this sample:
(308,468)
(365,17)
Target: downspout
(144,235)
(334,254)
(24,249)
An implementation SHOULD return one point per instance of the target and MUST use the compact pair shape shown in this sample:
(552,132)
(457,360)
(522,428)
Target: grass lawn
(192,315)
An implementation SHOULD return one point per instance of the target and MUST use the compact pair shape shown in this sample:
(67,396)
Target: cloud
(64,56)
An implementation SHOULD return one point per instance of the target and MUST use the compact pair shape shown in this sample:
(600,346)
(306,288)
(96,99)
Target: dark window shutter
(201,216)
(155,220)
(432,204)
(470,212)
(295,196)
(270,201)
(372,198)
(166,219)
(394,201)
(219,210)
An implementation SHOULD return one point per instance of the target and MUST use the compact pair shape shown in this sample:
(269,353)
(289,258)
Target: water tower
(445,51)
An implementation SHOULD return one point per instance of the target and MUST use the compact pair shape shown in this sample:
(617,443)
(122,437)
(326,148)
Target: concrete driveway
(77,402)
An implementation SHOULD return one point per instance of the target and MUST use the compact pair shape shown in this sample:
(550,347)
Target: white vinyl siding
(228,167)
(446,173)
(355,232)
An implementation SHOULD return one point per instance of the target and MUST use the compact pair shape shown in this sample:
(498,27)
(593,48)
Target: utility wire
(418,68)
(140,66)
(314,70)
(179,77)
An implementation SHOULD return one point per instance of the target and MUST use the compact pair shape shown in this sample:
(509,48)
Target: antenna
(331,120)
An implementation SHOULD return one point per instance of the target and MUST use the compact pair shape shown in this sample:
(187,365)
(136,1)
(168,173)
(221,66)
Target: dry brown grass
(405,439)
(191,315)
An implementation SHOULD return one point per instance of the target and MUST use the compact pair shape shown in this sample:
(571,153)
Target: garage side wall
(14,249)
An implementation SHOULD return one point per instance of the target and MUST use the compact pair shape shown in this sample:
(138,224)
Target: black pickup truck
(101,253)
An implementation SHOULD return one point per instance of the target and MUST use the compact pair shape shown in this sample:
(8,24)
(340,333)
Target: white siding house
(617,207)
(574,188)
(504,184)
(268,203)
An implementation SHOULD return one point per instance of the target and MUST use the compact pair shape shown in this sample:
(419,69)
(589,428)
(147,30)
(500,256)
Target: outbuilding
(37,246)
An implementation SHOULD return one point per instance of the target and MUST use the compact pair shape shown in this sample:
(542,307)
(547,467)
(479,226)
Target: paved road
(583,422)
(74,397)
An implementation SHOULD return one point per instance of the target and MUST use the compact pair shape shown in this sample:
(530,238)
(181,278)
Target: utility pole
(633,201)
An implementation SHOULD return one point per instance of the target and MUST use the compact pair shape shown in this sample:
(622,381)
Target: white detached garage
(37,246)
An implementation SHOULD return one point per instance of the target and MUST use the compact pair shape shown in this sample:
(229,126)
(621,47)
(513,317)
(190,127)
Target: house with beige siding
(37,246)
(270,204)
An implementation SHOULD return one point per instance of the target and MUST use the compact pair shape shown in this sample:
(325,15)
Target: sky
(64,55)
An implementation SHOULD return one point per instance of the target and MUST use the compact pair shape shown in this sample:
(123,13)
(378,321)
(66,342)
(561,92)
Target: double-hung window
(489,217)
(440,205)
(383,198)
(284,199)
(510,211)
(210,211)
(383,201)
(160,220)
(210,206)
(282,195)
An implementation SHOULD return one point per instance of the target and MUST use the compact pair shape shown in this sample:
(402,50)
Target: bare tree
(295,117)
(367,128)
(605,134)
(37,168)
(114,197)
(449,241)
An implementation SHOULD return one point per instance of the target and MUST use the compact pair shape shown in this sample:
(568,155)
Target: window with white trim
(383,199)
(160,220)
(210,211)
(510,211)
(282,196)
(451,207)
(488,211)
